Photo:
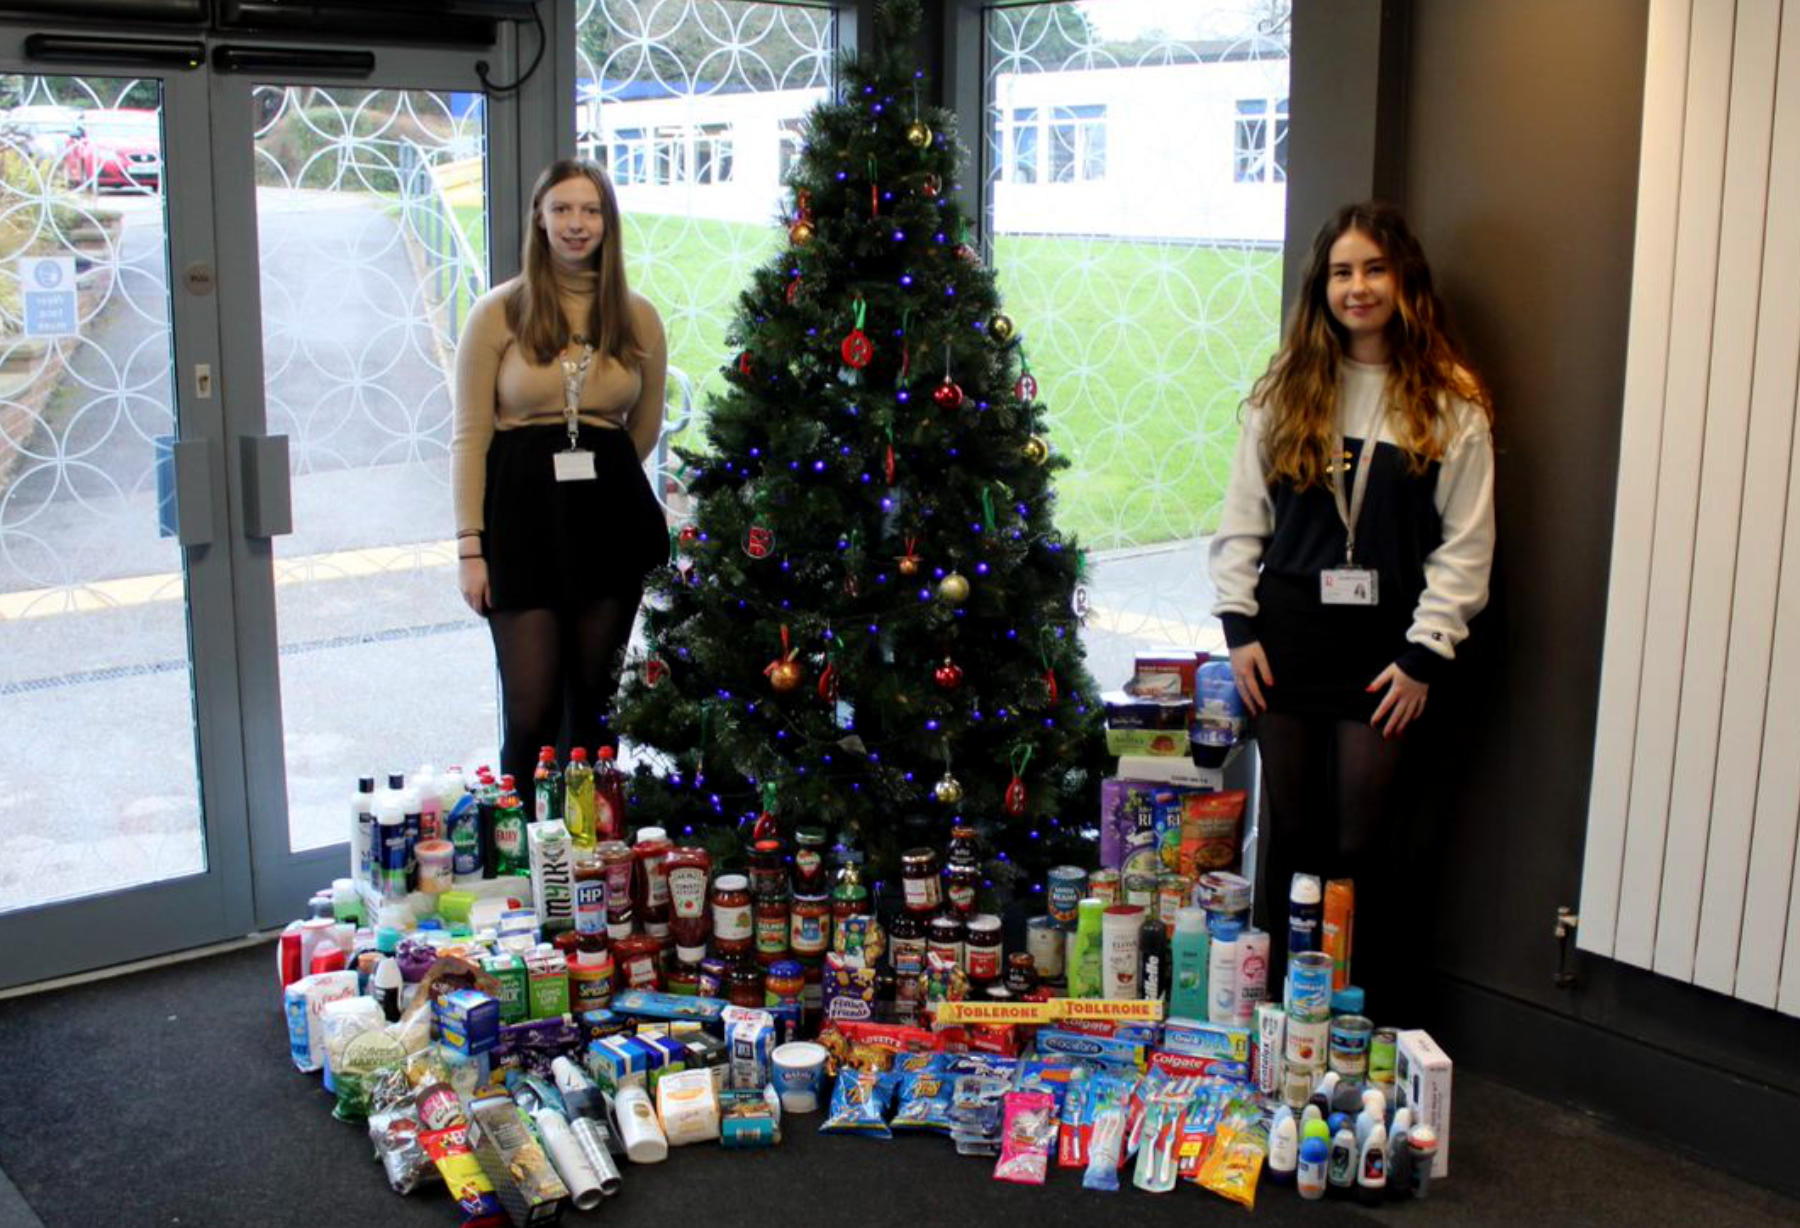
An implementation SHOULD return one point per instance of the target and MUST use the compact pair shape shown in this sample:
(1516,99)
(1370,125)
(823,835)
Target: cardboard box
(1170,770)
(516,1166)
(546,983)
(1196,1039)
(468,1022)
(1166,671)
(1125,711)
(1422,1081)
(1162,742)
(509,970)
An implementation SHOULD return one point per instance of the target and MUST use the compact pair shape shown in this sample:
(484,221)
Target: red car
(116,149)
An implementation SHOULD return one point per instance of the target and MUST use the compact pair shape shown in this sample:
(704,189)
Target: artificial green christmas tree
(871,623)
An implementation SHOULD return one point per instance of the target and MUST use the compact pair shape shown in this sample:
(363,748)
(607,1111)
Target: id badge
(1348,586)
(576,466)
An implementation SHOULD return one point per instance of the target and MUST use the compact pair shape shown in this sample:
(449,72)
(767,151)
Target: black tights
(1330,788)
(559,671)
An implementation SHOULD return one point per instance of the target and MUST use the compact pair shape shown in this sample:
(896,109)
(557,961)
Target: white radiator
(1689,868)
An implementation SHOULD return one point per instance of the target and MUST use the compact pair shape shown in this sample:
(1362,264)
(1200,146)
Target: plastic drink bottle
(362,831)
(431,804)
(510,851)
(609,797)
(547,788)
(578,801)
(1187,987)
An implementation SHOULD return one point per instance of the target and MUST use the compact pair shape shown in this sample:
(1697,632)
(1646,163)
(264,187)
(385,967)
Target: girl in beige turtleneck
(560,376)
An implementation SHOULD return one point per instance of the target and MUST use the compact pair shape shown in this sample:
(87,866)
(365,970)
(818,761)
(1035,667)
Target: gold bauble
(949,790)
(801,232)
(1036,449)
(1001,328)
(786,676)
(908,564)
(953,588)
(918,134)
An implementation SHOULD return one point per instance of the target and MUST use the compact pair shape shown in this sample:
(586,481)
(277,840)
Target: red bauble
(949,675)
(857,349)
(688,537)
(793,290)
(1014,802)
(1050,683)
(759,541)
(949,394)
(965,252)
(828,684)
(656,670)
(1027,387)
(743,363)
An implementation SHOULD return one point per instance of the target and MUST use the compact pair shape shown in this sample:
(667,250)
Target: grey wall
(1520,172)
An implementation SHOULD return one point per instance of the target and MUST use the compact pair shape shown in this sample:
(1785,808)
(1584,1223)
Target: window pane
(730,79)
(1143,274)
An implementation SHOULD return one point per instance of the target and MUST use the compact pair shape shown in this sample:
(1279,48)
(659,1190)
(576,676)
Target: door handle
(268,494)
(193,492)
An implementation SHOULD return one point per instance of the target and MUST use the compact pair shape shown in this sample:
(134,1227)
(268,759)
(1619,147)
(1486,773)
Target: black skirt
(1323,657)
(555,545)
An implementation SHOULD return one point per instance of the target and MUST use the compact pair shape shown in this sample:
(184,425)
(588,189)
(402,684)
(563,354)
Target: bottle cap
(343,886)
(578,754)
(1190,921)
(1314,1151)
(606,752)
(1423,1138)
(396,780)
(1226,930)
(365,784)
(1347,1001)
(1306,889)
(650,833)
(546,752)
(506,782)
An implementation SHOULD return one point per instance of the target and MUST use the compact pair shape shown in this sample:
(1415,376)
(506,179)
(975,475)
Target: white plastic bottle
(431,803)
(1284,1147)
(1371,1167)
(1221,974)
(410,802)
(362,832)
(644,1140)
(389,877)
(1252,974)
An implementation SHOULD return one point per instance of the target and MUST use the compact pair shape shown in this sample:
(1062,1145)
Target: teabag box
(1422,1081)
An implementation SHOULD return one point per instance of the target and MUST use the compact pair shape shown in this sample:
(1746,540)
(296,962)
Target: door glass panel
(370,214)
(99,779)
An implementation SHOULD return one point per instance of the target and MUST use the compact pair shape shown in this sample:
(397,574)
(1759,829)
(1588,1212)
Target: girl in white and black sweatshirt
(1335,644)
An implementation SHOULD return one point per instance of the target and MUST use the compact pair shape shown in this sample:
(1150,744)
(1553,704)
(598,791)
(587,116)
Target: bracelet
(462,533)
(463,558)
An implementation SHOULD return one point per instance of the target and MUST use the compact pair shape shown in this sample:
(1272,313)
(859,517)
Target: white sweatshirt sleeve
(1456,573)
(1245,523)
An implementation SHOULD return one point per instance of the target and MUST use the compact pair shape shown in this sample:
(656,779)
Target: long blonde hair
(534,314)
(1299,390)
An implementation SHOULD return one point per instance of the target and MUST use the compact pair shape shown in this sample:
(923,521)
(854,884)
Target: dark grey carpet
(167,1098)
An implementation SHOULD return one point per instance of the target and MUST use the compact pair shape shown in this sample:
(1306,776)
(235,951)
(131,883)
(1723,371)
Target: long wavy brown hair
(1300,388)
(534,314)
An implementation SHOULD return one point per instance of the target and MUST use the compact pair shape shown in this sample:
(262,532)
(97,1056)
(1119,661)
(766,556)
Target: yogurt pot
(799,1068)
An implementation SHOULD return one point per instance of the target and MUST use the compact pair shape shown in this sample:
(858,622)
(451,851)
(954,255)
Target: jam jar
(924,891)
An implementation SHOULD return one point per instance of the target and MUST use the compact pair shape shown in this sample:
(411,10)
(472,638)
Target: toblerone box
(1422,1080)
(521,1174)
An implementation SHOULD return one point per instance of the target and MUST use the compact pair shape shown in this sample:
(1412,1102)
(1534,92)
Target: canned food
(1349,1053)
(1140,890)
(1383,1055)
(1309,986)
(1307,1041)
(1297,1083)
(1104,885)
(1174,892)
(1222,891)
(1044,940)
(1067,884)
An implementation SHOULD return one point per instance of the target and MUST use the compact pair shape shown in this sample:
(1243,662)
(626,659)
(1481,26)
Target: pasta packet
(1029,1134)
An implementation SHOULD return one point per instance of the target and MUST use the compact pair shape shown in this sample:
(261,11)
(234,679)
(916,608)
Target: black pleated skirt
(556,545)
(1323,657)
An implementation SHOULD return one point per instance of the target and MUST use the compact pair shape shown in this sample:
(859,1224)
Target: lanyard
(574,378)
(1359,484)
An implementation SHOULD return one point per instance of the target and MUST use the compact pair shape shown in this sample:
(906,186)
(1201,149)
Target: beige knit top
(499,387)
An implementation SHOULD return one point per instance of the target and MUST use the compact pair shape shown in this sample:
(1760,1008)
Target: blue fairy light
(881,577)
(949,291)
(924,594)
(842,175)
(755,452)
(819,465)
(864,478)
(1012,633)
(906,279)
(938,572)
(887,504)
(899,236)
(981,569)
(903,396)
(939,237)
(931,725)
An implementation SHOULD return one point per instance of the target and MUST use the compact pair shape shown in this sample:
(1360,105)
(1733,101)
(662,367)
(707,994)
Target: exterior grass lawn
(1142,351)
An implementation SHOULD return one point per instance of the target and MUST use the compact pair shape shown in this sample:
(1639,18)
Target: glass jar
(809,861)
(637,962)
(963,850)
(944,938)
(809,928)
(785,980)
(683,979)
(733,931)
(906,938)
(1021,973)
(919,870)
(962,884)
(744,984)
(982,949)
(771,913)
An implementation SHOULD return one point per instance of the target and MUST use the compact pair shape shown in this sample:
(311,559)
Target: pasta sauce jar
(924,891)
(734,934)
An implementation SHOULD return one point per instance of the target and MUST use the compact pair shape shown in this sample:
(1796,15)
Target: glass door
(364,240)
(122,828)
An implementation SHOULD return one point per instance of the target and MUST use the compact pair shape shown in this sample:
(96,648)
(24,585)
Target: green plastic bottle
(514,855)
(1084,966)
(547,788)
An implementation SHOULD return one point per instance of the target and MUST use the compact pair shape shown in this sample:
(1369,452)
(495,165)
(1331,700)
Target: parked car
(116,149)
(40,130)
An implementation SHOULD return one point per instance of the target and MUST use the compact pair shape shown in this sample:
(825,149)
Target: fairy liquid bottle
(547,788)
(578,800)
(514,857)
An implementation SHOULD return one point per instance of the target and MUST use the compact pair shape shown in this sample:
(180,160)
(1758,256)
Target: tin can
(1309,986)
(1044,940)
(1140,892)
(1350,1039)
(1066,886)
(1174,892)
(1297,1083)
(1307,1042)
(1383,1056)
(1105,886)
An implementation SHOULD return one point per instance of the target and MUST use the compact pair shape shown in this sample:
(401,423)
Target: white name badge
(576,466)
(1348,586)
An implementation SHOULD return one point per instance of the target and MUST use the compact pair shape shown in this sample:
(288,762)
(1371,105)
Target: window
(629,157)
(792,136)
(712,153)
(1259,141)
(1024,145)
(669,154)
(1078,144)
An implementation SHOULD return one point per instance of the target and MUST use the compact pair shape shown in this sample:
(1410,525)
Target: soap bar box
(1422,1082)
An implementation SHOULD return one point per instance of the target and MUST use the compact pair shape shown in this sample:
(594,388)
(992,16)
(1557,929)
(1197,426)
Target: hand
(1249,665)
(472,579)
(1402,705)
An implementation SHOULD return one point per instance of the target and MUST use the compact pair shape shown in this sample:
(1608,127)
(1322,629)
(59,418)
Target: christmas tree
(871,623)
